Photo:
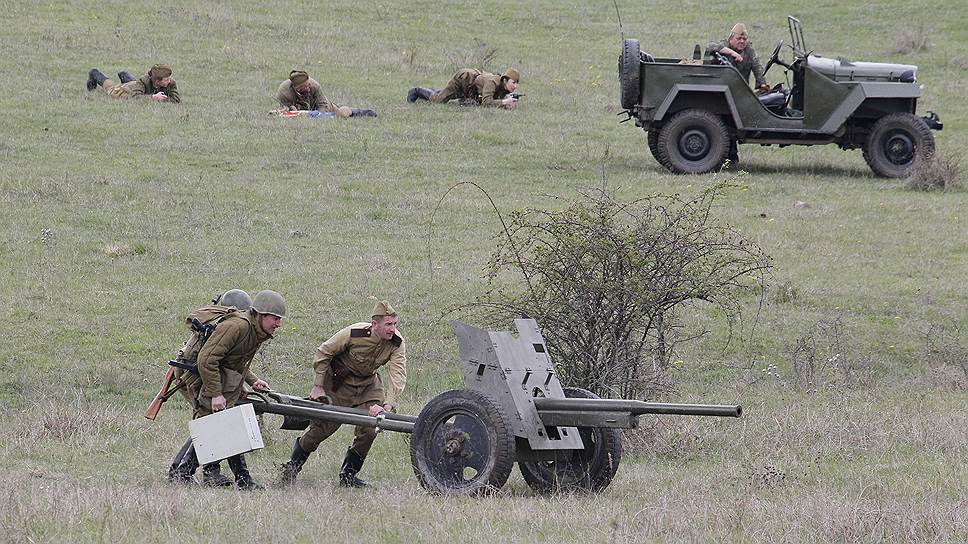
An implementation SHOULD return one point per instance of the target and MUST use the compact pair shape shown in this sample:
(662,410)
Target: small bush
(479,55)
(827,356)
(936,174)
(912,39)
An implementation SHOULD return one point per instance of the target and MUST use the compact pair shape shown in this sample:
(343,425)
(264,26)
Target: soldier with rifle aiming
(223,366)
(301,92)
(474,86)
(346,370)
(156,84)
(183,467)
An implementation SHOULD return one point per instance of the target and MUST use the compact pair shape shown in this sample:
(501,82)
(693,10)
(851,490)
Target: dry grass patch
(937,174)
(912,39)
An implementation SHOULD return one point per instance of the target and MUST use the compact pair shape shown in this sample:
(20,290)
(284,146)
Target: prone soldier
(346,369)
(223,365)
(156,84)
(301,92)
(474,86)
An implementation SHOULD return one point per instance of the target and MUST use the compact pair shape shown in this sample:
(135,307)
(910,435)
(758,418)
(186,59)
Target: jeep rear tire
(629,71)
(897,144)
(693,142)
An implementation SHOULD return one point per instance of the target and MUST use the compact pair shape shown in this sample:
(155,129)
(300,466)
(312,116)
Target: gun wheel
(897,144)
(462,444)
(589,469)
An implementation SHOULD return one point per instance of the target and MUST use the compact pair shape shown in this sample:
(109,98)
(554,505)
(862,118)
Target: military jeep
(696,110)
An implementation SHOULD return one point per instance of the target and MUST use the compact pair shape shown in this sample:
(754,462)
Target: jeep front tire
(693,142)
(897,144)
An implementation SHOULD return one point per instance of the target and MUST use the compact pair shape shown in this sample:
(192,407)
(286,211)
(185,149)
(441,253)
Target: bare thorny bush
(606,279)
(480,55)
(945,356)
(936,174)
(826,356)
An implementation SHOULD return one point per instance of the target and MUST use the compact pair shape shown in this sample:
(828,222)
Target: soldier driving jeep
(738,50)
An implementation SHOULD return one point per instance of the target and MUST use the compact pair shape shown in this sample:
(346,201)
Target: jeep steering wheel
(775,59)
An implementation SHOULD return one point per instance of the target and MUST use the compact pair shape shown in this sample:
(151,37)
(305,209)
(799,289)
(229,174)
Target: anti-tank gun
(513,409)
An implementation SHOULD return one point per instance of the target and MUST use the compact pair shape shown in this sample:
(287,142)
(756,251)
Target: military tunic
(141,87)
(346,368)
(223,362)
(751,63)
(472,85)
(312,100)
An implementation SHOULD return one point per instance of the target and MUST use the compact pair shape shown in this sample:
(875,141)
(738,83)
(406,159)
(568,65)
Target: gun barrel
(305,403)
(322,413)
(637,407)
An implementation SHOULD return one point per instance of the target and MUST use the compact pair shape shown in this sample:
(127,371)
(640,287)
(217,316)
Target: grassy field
(119,218)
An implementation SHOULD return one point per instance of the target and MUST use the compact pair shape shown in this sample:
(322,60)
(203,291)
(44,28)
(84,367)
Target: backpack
(202,322)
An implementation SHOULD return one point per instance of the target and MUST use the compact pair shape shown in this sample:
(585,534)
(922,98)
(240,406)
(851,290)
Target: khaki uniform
(469,84)
(346,368)
(189,352)
(223,362)
(751,63)
(140,87)
(313,100)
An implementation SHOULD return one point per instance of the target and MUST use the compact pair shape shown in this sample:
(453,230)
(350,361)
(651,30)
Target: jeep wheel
(897,144)
(628,74)
(693,142)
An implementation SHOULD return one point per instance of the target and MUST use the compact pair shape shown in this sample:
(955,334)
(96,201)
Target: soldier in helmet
(474,86)
(346,369)
(301,92)
(156,84)
(185,463)
(223,364)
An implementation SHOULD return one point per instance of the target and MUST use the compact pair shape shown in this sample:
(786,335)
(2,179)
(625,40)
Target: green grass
(214,194)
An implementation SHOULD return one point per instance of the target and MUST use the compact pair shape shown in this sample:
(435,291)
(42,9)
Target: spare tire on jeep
(628,73)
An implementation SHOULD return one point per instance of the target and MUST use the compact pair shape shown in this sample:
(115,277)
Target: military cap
(739,29)
(298,77)
(383,308)
(159,72)
(512,73)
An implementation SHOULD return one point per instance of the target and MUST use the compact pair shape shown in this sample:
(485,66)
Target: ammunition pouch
(340,373)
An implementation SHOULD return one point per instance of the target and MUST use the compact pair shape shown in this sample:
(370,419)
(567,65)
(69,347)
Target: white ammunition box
(226,433)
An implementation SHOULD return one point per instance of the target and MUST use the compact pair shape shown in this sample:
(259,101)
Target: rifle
(171,384)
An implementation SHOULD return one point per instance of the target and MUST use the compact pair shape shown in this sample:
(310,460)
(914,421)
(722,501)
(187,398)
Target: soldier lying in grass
(303,93)
(156,84)
(474,86)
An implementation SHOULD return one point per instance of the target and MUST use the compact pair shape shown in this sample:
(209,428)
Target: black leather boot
(242,477)
(212,476)
(173,473)
(419,93)
(95,78)
(352,464)
(291,468)
(185,471)
(361,112)
(124,77)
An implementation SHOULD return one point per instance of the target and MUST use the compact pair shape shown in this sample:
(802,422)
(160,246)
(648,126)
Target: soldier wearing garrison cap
(301,92)
(738,49)
(156,84)
(346,368)
(740,53)
(474,86)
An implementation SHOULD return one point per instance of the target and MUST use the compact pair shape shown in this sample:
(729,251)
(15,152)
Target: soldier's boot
(291,468)
(185,471)
(95,78)
(125,76)
(352,464)
(362,112)
(419,93)
(173,473)
(242,477)
(212,476)
(733,153)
